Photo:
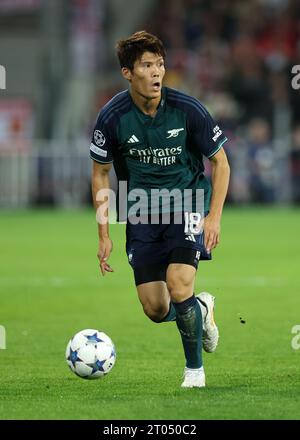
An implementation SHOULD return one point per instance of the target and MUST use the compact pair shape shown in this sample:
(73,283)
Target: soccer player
(156,137)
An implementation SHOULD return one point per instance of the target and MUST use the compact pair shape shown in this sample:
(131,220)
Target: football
(90,354)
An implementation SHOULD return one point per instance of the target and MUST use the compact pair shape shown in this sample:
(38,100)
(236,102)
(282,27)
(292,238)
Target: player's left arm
(220,181)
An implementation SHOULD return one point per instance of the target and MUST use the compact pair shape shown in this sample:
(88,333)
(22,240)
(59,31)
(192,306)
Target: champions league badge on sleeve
(99,138)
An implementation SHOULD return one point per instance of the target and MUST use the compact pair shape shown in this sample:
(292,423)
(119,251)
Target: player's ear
(126,73)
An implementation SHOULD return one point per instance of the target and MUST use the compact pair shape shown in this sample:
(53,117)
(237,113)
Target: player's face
(147,75)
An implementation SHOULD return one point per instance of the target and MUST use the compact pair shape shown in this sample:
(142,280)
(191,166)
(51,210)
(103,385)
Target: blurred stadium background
(234,55)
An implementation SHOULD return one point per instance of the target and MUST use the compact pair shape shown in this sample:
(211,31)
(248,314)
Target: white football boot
(210,336)
(193,378)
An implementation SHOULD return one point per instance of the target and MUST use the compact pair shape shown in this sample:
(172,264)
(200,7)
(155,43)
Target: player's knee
(155,312)
(179,286)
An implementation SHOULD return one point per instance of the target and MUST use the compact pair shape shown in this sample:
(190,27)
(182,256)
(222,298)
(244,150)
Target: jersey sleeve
(102,143)
(206,136)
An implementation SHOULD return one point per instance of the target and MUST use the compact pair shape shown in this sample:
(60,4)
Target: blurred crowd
(236,56)
(239,57)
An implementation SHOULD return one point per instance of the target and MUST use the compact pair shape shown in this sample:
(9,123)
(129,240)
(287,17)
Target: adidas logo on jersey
(190,237)
(133,139)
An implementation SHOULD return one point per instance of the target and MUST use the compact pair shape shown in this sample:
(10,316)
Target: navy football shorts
(151,248)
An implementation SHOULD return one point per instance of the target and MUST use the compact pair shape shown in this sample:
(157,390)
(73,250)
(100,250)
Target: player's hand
(105,248)
(212,229)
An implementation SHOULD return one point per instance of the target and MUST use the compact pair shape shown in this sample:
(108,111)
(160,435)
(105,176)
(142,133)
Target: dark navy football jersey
(161,152)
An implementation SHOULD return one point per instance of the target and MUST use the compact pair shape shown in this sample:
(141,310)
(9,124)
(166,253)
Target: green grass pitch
(50,288)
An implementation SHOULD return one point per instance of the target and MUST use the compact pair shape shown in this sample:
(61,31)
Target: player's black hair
(132,48)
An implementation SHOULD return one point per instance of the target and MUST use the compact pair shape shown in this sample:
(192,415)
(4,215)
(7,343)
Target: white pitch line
(257,281)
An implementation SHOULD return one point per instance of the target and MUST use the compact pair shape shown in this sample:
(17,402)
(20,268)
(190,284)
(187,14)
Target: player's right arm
(100,181)
(103,142)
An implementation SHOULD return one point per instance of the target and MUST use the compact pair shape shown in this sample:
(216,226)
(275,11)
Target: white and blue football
(90,354)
